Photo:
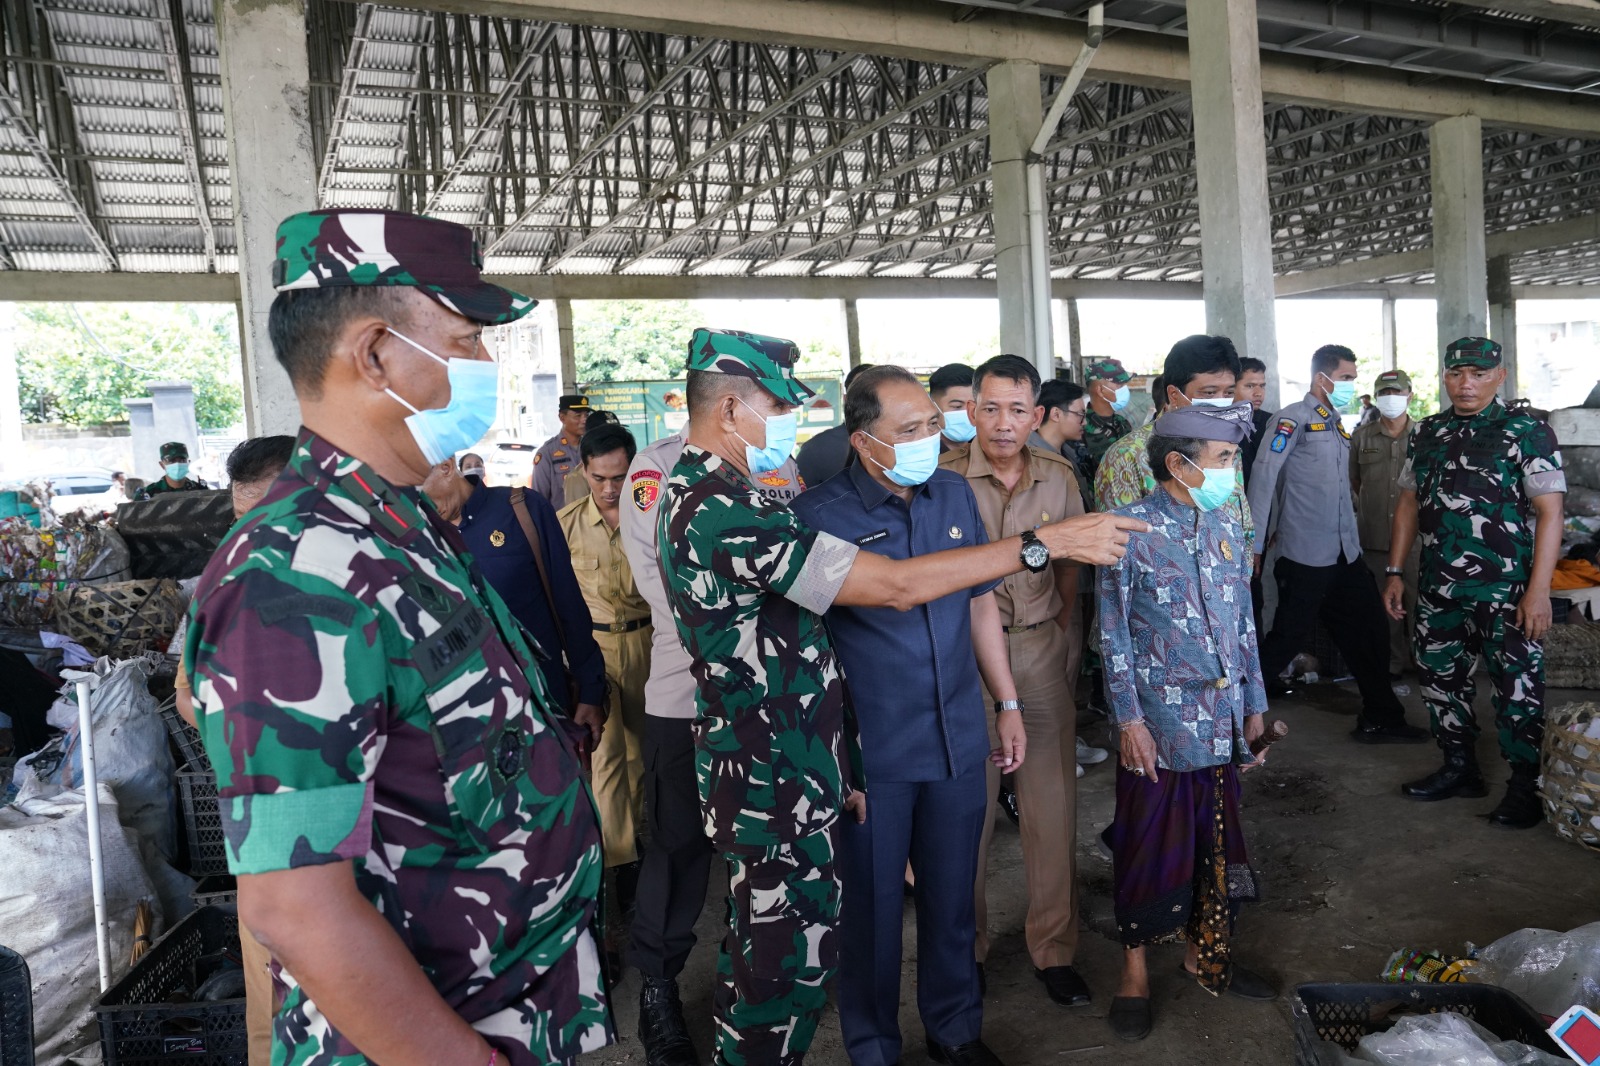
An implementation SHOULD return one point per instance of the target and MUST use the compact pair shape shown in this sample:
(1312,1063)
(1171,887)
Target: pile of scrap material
(1572,656)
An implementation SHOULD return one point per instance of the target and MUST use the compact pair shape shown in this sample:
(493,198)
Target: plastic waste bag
(1446,1039)
(1550,970)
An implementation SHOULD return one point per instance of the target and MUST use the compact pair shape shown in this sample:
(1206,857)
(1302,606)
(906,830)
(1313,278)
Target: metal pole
(97,869)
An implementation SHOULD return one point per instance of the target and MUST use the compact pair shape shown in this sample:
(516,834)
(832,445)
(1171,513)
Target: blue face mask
(474,399)
(914,461)
(1341,394)
(1120,398)
(177,471)
(781,430)
(1214,490)
(1213,401)
(957,426)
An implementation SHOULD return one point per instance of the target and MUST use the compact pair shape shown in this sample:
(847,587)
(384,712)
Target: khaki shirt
(575,486)
(1375,463)
(600,564)
(1047,492)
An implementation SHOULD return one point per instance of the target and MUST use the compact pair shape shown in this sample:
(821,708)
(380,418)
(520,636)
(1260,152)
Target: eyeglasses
(1079,415)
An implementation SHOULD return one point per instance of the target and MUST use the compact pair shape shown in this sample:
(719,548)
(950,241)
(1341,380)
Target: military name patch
(1316,427)
(646,488)
(461,635)
(1280,439)
(870,537)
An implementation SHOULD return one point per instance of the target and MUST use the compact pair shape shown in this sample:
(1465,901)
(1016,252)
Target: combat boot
(1521,808)
(1459,776)
(661,1027)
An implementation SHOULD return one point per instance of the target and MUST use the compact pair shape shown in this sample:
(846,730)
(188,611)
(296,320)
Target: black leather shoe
(1008,801)
(1521,808)
(661,1027)
(972,1053)
(1458,776)
(1063,985)
(1130,1017)
(1400,733)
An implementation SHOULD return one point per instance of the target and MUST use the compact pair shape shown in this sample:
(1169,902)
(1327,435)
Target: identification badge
(870,537)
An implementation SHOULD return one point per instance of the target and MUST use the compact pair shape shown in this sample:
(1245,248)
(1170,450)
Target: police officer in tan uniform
(1019,489)
(558,456)
(1377,454)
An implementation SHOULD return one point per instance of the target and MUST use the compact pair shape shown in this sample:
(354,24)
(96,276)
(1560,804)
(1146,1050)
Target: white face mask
(1392,406)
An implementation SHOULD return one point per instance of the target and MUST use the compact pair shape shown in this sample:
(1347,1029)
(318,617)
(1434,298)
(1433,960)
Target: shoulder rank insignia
(1339,425)
(1280,439)
(1323,411)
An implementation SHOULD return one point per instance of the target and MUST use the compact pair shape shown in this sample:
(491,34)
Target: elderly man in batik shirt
(1184,683)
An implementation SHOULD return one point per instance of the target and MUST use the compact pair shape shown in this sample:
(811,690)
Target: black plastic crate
(1344,1014)
(139,1023)
(202,823)
(185,737)
(215,889)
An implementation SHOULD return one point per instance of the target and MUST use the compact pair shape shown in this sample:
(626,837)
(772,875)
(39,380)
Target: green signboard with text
(655,409)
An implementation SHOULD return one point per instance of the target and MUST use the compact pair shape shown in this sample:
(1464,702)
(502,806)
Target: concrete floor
(1352,871)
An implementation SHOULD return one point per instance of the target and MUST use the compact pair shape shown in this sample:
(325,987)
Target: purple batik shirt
(1176,634)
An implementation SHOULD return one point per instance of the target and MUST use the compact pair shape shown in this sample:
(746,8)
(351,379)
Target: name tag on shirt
(862,542)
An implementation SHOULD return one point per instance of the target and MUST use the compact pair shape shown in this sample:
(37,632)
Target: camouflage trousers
(779,953)
(1452,630)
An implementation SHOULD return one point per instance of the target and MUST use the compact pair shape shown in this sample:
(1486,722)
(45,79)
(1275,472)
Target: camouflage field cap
(1392,379)
(769,361)
(174,451)
(1107,370)
(1472,351)
(321,249)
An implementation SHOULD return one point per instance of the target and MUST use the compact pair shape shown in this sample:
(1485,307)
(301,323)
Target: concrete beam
(266,102)
(1508,243)
(40,286)
(914,29)
(1459,265)
(1231,173)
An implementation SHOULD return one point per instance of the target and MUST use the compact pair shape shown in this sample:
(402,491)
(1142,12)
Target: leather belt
(621,627)
(1023,629)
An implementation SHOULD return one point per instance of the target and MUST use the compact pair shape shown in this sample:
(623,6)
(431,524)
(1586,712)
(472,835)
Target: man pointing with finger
(747,582)
(1484,486)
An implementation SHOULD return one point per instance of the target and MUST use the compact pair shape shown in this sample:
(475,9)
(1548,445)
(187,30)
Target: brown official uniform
(1047,780)
(575,486)
(1375,463)
(622,629)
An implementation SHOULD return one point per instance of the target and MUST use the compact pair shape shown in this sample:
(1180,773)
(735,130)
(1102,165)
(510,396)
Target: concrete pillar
(852,332)
(1503,321)
(265,100)
(1016,110)
(142,439)
(1231,168)
(1075,339)
(568,348)
(1391,345)
(1459,269)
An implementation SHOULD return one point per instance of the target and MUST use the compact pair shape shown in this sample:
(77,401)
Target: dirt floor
(1352,870)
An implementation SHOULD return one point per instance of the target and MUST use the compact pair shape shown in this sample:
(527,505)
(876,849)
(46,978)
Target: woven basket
(123,618)
(1572,656)
(1571,773)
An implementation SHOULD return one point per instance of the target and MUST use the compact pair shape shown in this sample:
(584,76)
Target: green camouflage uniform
(365,697)
(748,583)
(1101,433)
(1474,478)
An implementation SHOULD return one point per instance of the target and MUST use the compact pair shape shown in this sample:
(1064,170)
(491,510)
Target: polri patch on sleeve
(646,488)
(862,542)
(1280,439)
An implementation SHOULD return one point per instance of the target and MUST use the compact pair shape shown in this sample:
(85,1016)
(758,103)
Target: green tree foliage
(78,362)
(631,340)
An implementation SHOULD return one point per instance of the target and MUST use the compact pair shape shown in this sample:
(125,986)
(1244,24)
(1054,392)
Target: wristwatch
(1035,556)
(1007,705)
(1394,571)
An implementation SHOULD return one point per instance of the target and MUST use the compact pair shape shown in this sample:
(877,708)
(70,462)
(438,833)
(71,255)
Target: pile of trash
(1443,1039)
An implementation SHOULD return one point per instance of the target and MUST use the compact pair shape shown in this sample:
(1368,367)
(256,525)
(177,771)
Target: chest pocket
(1369,456)
(1481,470)
(477,697)
(580,562)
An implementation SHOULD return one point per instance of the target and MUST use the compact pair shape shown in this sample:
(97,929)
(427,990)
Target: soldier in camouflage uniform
(748,581)
(400,796)
(1106,382)
(1485,487)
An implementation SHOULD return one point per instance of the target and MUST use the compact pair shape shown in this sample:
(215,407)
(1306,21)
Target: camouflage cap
(323,249)
(768,361)
(1107,370)
(174,450)
(1472,351)
(1392,379)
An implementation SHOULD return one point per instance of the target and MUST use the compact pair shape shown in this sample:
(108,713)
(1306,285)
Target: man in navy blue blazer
(913,682)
